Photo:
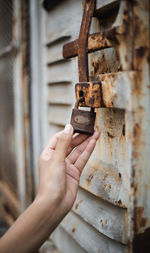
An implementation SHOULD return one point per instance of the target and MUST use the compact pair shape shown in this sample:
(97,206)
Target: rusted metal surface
(91,91)
(83,121)
(139,129)
(96,42)
(83,41)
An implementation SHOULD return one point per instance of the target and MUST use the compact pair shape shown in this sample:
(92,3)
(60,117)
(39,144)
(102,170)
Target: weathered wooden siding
(112,204)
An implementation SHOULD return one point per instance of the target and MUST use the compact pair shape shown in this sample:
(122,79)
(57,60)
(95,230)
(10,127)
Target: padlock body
(83,121)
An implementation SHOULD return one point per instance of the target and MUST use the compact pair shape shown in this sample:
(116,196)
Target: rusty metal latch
(87,93)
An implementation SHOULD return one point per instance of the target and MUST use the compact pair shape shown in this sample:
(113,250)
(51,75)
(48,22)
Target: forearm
(31,229)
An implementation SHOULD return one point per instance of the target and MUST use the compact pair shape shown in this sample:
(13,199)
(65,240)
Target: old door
(112,210)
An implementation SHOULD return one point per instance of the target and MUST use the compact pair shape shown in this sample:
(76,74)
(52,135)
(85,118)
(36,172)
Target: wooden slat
(105,3)
(48,247)
(57,36)
(54,52)
(59,114)
(88,237)
(65,243)
(106,218)
(61,94)
(59,72)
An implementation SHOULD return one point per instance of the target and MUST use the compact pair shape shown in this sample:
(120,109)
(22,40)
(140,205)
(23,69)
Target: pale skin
(60,166)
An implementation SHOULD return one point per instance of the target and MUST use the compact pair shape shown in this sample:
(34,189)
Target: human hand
(60,167)
(61,164)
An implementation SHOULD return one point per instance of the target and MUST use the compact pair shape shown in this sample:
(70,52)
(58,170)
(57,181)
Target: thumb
(63,143)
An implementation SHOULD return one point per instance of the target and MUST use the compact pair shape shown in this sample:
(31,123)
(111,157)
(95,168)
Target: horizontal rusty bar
(96,42)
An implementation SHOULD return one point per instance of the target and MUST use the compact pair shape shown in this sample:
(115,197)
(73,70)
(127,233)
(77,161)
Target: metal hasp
(87,93)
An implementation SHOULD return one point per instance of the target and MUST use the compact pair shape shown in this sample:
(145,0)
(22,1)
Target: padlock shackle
(83,70)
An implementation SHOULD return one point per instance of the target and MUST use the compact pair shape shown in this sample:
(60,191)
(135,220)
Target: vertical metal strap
(89,8)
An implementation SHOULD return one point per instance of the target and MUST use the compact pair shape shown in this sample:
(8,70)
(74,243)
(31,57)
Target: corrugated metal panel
(101,219)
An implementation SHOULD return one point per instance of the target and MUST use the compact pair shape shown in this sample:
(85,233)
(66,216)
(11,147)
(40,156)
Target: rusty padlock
(81,120)
(87,93)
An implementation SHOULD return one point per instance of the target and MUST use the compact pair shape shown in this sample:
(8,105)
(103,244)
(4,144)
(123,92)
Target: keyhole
(81,93)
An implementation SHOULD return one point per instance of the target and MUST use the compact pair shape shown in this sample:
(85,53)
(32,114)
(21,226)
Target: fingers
(78,151)
(48,150)
(53,141)
(63,143)
(84,157)
(77,140)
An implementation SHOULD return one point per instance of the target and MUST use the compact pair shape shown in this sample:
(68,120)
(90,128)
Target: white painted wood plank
(67,22)
(63,33)
(59,114)
(48,247)
(90,239)
(65,243)
(61,94)
(104,3)
(54,52)
(106,218)
(59,72)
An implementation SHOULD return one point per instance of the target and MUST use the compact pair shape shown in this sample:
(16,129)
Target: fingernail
(68,129)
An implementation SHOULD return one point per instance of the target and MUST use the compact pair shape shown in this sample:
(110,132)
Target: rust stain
(103,222)
(107,187)
(137,130)
(139,220)
(108,94)
(123,130)
(140,52)
(77,205)
(74,229)
(89,178)
(119,174)
(110,135)
(105,176)
(103,64)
